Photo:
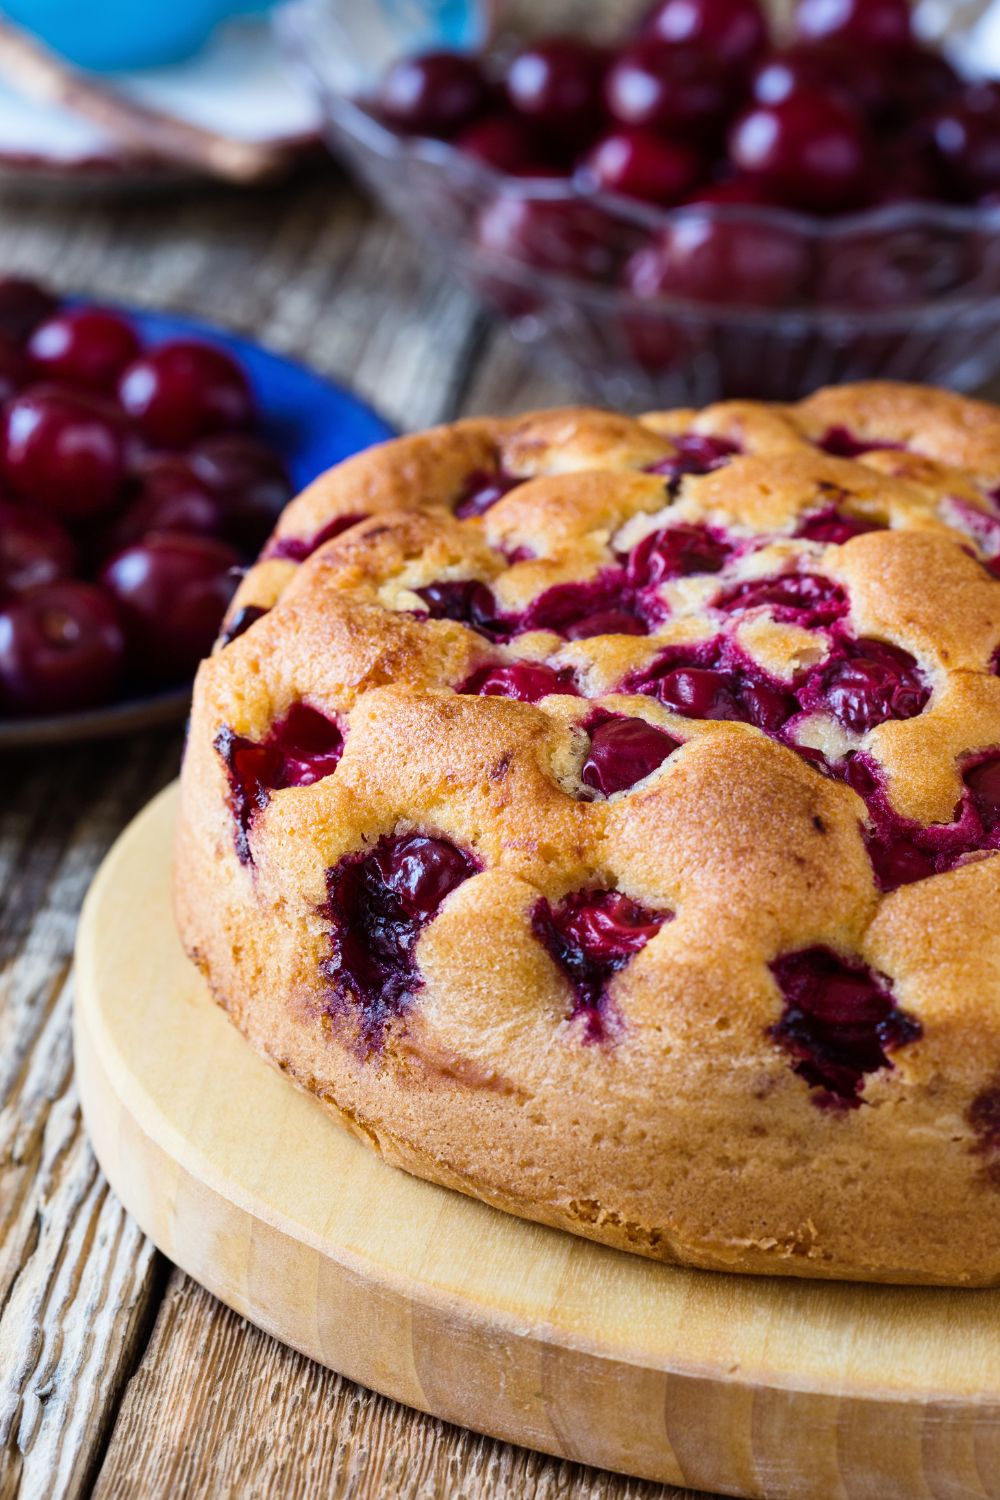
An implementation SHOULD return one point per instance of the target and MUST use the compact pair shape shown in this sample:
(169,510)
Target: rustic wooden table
(120,1377)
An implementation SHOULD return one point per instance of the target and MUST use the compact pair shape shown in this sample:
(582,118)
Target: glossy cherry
(377,905)
(299,749)
(732,31)
(555,83)
(467,601)
(505,142)
(870,683)
(623,751)
(527,681)
(591,935)
(833,527)
(861,79)
(15,369)
(298,548)
(61,650)
(23,305)
(250,482)
(436,93)
(65,450)
(482,491)
(809,149)
(806,599)
(170,497)
(695,453)
(596,606)
(570,238)
(863,24)
(88,347)
(34,549)
(172,591)
(675,552)
(904,267)
(642,165)
(660,86)
(983,782)
(839,1022)
(184,390)
(964,142)
(722,260)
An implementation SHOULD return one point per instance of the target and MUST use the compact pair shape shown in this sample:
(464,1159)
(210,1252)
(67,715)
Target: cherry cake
(600,816)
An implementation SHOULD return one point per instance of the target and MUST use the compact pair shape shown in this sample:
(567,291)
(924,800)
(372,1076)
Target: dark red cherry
(923,81)
(732,31)
(810,150)
(298,750)
(591,935)
(482,491)
(642,165)
(839,442)
(297,548)
(15,371)
(622,752)
(61,650)
(898,861)
(577,611)
(23,305)
(250,481)
(839,1021)
(436,93)
(660,86)
(171,497)
(965,147)
(84,346)
(864,24)
(983,782)
(172,591)
(34,549)
(695,453)
(833,527)
(467,601)
(872,683)
(675,552)
(555,83)
(184,390)
(240,622)
(714,692)
(504,142)
(570,238)
(526,681)
(64,450)
(724,261)
(806,599)
(377,904)
(892,267)
(862,80)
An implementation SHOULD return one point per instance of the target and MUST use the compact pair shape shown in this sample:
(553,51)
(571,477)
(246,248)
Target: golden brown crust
(688,1135)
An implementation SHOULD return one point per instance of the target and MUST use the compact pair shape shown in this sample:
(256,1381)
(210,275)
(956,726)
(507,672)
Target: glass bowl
(776,303)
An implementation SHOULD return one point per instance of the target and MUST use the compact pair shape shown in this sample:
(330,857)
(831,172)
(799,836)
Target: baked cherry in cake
(604,820)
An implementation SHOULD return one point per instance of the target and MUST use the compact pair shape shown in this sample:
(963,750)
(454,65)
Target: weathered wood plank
(218,1408)
(78,1283)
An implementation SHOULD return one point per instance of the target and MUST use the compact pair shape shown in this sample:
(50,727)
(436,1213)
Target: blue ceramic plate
(312,422)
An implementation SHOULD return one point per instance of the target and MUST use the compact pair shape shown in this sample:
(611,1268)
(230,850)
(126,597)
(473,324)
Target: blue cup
(111,35)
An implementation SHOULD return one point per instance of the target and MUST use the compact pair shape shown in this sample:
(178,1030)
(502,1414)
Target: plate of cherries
(144,459)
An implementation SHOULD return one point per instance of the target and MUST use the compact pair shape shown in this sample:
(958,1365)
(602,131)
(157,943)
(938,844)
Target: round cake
(599,816)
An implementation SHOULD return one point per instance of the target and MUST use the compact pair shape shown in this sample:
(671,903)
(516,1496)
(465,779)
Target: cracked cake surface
(599,815)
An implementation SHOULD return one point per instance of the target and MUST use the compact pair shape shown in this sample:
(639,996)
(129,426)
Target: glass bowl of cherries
(136,481)
(698,208)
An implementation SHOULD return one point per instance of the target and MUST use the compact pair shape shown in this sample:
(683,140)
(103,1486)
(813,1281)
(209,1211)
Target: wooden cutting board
(793,1391)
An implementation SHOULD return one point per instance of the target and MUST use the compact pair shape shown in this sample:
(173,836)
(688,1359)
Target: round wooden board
(791,1391)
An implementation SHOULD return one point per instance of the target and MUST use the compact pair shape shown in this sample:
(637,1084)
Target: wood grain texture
(299,1430)
(760,1387)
